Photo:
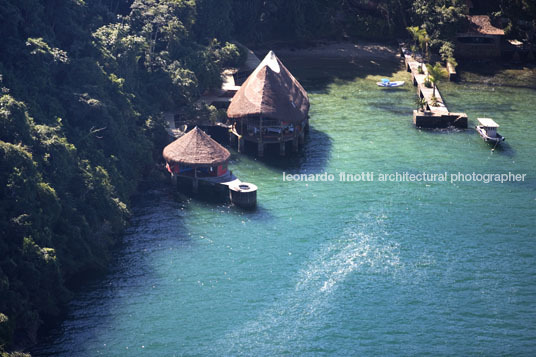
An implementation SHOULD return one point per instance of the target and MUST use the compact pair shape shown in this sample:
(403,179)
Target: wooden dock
(222,188)
(437,116)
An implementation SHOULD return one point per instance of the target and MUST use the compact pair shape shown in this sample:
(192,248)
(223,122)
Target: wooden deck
(171,128)
(219,97)
(227,188)
(229,81)
(435,116)
(228,179)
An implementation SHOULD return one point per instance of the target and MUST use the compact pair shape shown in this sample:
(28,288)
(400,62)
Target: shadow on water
(312,158)
(316,74)
(387,91)
(223,205)
(157,225)
(496,73)
(503,149)
(259,213)
(445,131)
(216,201)
(401,110)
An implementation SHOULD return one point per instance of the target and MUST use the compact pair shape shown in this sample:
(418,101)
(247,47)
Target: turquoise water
(336,268)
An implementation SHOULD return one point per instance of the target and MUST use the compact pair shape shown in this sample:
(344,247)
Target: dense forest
(83,83)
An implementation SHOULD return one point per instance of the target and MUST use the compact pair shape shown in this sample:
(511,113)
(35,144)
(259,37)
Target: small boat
(387,83)
(488,130)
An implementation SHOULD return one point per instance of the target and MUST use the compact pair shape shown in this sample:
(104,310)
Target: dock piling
(282,148)
(243,194)
(195,185)
(295,144)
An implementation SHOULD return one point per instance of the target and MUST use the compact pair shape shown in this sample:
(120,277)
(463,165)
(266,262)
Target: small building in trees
(251,63)
(270,107)
(196,155)
(481,39)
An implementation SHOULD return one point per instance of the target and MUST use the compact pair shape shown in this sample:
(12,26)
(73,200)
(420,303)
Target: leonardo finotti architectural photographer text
(369,176)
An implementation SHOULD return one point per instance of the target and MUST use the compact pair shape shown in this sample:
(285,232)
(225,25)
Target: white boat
(387,83)
(488,130)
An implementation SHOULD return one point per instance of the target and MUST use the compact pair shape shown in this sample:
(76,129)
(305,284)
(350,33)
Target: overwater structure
(198,159)
(434,116)
(271,107)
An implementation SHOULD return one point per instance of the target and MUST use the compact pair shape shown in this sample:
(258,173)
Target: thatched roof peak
(271,61)
(196,148)
(271,91)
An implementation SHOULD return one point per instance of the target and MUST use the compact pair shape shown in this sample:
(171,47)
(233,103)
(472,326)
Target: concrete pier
(437,116)
(427,119)
(243,195)
(453,76)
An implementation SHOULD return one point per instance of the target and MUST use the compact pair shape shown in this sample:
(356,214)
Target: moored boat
(387,83)
(487,129)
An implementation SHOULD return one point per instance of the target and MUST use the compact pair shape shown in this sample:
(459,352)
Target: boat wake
(363,248)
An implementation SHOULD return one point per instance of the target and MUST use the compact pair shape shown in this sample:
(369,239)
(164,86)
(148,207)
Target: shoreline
(502,72)
(362,49)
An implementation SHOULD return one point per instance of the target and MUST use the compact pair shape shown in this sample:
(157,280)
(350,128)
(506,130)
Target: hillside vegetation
(82,86)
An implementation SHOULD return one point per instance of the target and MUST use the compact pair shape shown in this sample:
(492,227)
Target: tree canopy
(82,86)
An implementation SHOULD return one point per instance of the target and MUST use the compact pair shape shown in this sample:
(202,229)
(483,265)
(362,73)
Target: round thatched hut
(196,155)
(270,107)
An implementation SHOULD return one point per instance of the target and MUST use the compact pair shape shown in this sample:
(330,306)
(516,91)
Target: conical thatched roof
(271,91)
(196,148)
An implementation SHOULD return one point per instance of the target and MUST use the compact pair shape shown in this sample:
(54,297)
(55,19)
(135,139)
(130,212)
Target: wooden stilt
(260,150)
(282,148)
(232,138)
(295,143)
(195,182)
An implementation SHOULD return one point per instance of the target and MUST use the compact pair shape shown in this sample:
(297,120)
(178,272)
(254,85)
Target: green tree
(424,41)
(213,20)
(421,37)
(441,19)
(414,31)
(447,53)
(435,74)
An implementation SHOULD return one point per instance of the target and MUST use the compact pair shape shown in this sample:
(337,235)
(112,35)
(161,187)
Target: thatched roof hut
(196,149)
(480,39)
(271,91)
(481,25)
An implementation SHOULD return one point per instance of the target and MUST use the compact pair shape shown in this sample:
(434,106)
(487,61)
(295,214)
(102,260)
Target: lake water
(336,268)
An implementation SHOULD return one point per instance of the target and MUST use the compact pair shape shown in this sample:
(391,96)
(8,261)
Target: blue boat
(387,83)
